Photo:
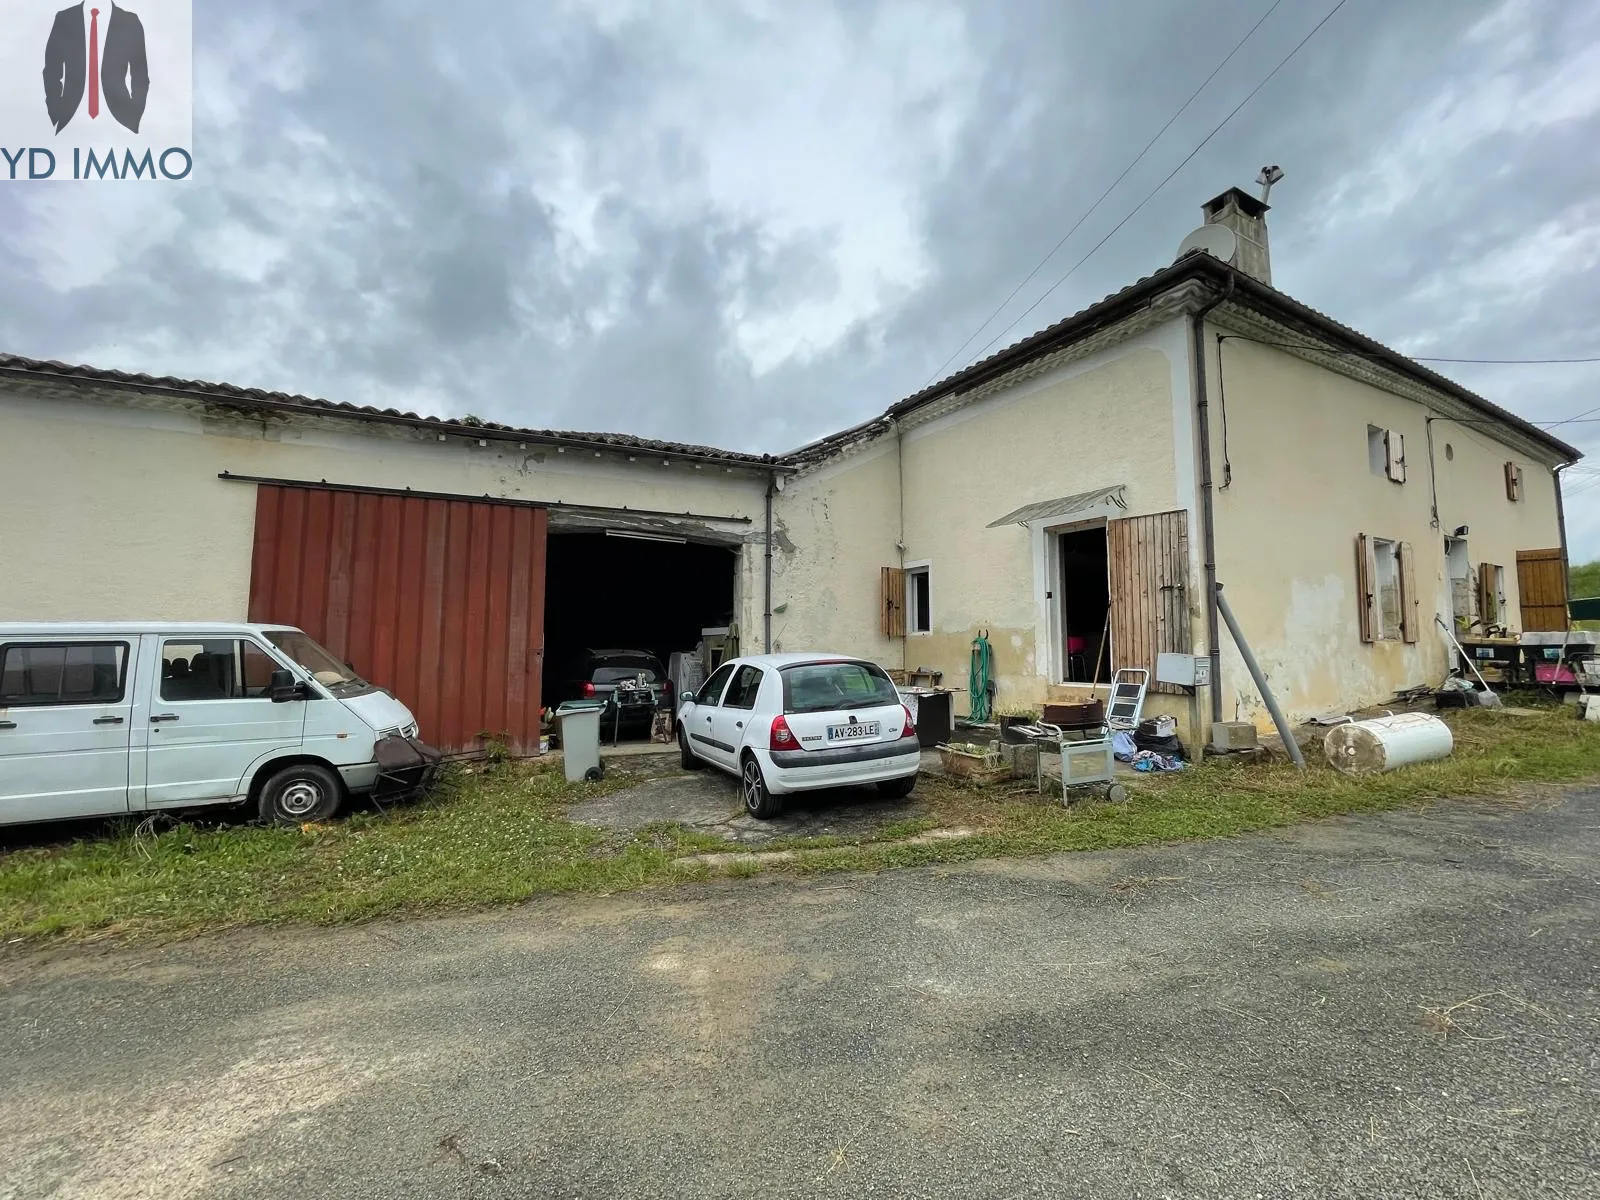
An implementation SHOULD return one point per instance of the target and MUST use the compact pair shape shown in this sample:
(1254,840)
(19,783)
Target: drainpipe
(766,613)
(1207,522)
(1561,526)
(900,539)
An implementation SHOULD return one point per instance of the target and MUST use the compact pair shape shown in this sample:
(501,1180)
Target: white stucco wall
(116,511)
(1302,490)
(1102,420)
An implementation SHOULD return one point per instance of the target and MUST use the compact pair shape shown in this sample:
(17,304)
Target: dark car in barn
(633,684)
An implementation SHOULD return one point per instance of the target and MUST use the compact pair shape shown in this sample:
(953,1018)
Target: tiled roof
(1115,307)
(258,398)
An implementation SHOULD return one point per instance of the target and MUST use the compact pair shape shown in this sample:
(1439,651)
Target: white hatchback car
(786,723)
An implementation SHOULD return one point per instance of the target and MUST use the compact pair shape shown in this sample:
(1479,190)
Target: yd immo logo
(117,96)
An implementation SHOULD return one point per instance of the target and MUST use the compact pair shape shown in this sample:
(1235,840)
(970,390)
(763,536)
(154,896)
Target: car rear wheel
(758,801)
(897,789)
(686,757)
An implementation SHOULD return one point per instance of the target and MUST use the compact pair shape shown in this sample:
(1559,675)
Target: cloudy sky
(752,222)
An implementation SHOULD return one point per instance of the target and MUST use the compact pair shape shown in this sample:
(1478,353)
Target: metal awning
(1065,506)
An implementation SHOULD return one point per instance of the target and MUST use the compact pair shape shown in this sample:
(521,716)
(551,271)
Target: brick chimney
(1247,217)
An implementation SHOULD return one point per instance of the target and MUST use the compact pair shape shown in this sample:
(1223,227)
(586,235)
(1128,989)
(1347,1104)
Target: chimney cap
(1246,203)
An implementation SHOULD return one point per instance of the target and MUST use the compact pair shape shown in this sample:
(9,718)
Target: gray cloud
(752,227)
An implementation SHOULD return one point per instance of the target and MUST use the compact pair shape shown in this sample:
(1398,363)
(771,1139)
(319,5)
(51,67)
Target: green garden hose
(980,680)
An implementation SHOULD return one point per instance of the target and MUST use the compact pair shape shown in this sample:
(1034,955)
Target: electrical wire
(1137,159)
(1151,195)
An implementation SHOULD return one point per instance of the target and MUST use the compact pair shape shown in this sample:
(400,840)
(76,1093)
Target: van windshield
(324,667)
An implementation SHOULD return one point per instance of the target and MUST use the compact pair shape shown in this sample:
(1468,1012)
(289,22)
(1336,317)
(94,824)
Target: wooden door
(1149,590)
(1542,590)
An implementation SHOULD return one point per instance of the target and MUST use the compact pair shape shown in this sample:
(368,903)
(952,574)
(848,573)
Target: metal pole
(1289,744)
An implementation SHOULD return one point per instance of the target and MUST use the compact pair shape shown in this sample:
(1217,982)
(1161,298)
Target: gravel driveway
(1402,1005)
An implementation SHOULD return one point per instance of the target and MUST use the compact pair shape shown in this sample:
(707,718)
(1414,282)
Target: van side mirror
(283,687)
(686,698)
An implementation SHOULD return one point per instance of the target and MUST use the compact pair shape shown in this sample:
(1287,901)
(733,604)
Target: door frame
(1056,663)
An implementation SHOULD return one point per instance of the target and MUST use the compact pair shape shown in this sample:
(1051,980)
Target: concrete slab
(708,801)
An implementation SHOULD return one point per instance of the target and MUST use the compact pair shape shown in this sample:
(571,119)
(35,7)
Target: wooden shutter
(1487,614)
(892,602)
(1410,601)
(1513,481)
(1542,590)
(1395,446)
(1149,565)
(1365,591)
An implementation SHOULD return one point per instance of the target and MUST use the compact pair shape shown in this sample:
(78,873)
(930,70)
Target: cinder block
(1023,760)
(1233,735)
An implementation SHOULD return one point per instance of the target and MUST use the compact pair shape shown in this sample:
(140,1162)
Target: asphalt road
(1395,1006)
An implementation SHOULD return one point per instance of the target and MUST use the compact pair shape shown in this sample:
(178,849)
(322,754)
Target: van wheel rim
(300,797)
(753,786)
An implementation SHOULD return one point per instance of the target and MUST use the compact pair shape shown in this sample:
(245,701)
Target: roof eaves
(287,403)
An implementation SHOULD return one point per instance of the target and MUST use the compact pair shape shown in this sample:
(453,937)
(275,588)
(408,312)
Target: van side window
(214,669)
(76,673)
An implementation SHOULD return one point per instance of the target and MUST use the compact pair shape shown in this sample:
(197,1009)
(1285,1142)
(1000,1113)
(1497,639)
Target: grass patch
(501,836)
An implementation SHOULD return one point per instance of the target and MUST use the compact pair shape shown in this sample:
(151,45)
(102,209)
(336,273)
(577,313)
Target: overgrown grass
(501,836)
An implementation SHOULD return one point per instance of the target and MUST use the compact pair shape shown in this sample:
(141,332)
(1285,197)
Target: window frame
(60,644)
(1387,550)
(918,614)
(238,641)
(1386,453)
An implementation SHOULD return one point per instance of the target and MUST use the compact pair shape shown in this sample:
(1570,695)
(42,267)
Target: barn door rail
(322,485)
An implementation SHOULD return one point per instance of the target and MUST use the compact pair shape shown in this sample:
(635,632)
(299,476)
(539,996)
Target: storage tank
(1384,743)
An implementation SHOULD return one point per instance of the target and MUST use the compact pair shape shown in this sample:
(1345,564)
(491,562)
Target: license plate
(853,733)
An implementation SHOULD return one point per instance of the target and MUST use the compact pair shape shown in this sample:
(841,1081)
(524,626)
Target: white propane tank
(1384,743)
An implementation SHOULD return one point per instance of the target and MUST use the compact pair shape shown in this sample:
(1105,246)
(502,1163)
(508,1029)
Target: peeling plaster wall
(1303,489)
(1105,420)
(115,510)
(1102,420)
(834,529)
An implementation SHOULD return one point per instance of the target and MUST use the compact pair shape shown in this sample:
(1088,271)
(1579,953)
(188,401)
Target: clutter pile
(1152,746)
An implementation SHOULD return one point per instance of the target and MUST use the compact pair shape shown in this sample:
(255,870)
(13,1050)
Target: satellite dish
(1216,240)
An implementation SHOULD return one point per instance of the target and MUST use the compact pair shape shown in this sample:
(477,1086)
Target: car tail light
(781,738)
(588,690)
(909,729)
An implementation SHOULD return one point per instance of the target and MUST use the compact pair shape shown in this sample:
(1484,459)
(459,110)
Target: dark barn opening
(619,591)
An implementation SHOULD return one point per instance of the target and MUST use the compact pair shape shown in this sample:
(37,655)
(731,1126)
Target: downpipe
(766,613)
(1208,527)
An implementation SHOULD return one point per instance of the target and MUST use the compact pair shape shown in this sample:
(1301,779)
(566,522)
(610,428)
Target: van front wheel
(299,794)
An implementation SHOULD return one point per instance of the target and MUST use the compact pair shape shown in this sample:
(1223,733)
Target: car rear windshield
(826,687)
(616,672)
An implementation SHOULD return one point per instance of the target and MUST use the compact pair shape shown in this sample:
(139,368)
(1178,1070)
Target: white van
(98,719)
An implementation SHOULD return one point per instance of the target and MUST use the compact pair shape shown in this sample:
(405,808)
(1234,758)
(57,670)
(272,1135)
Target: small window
(215,669)
(1386,564)
(78,673)
(1513,482)
(712,691)
(746,684)
(1386,453)
(1390,605)
(919,612)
